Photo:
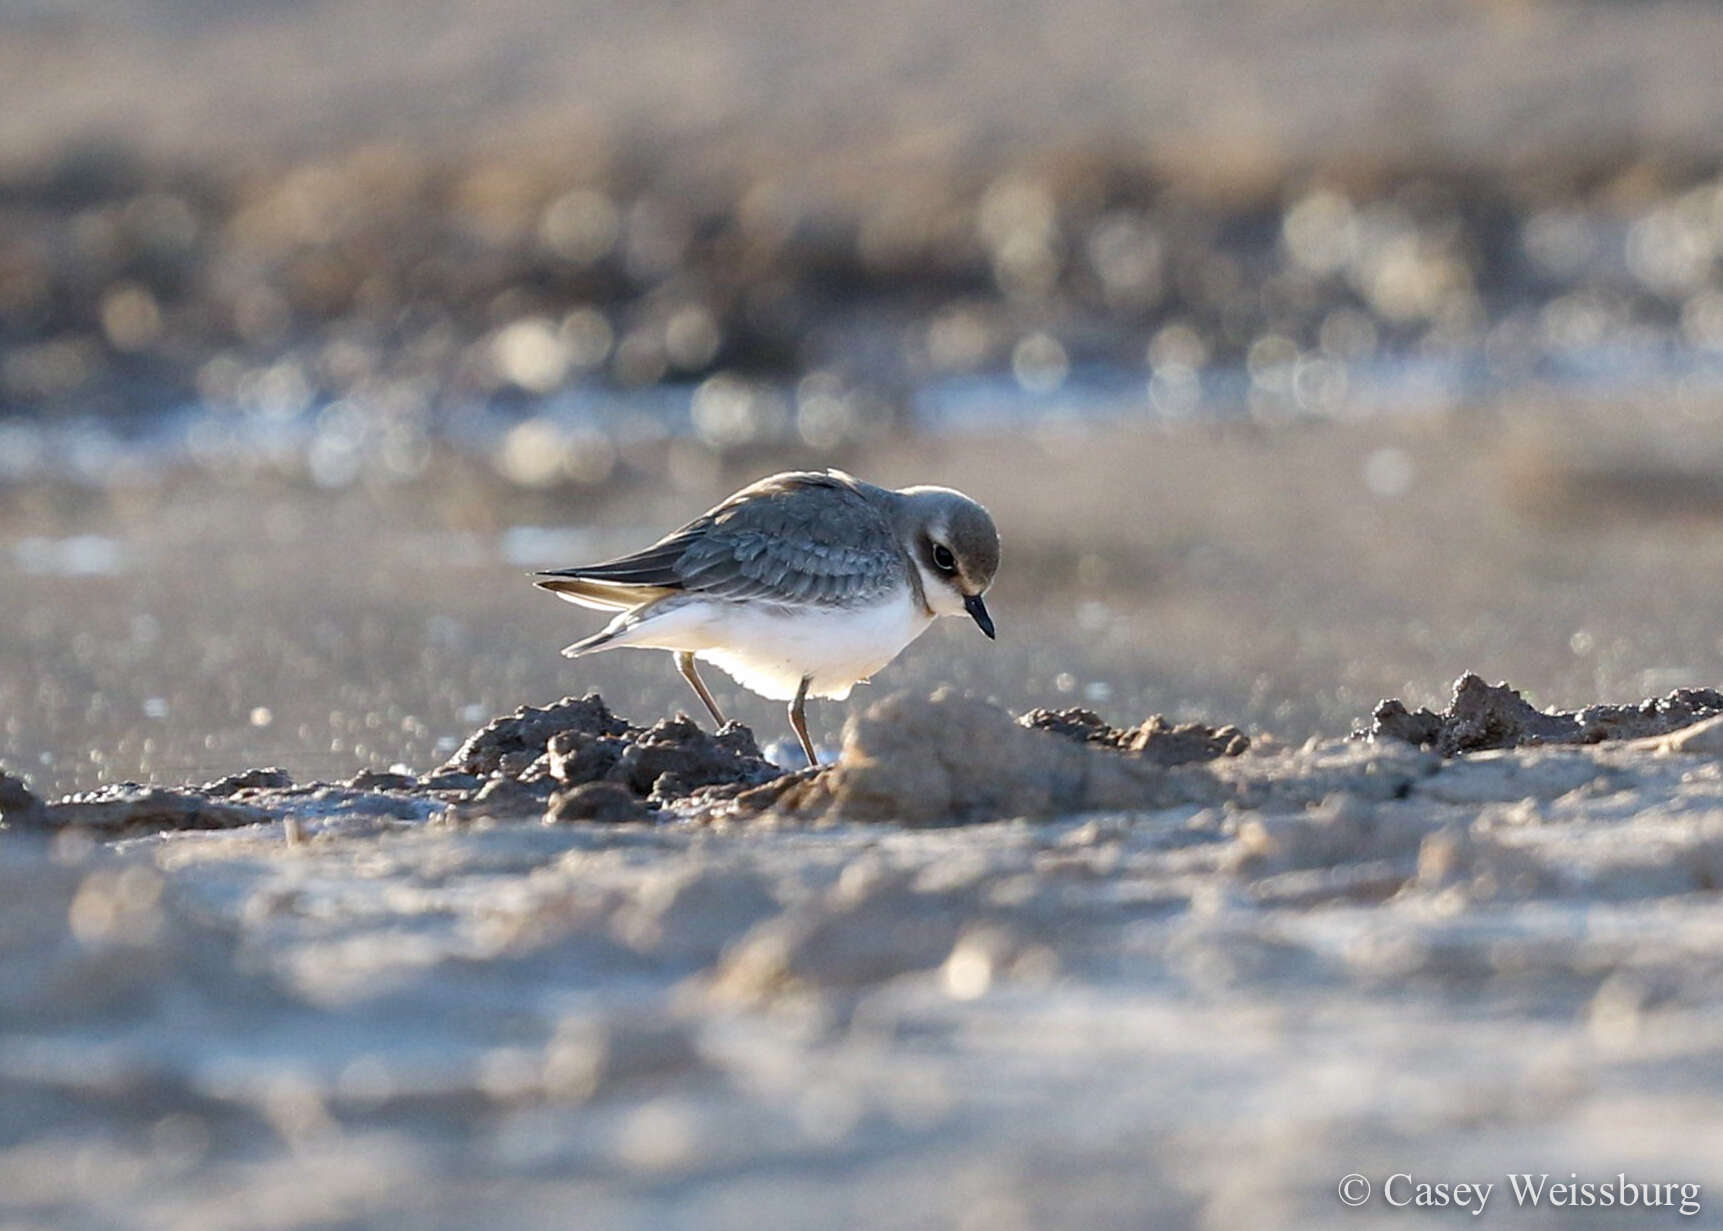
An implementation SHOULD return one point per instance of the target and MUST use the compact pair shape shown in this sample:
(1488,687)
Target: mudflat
(1102,987)
(1324,366)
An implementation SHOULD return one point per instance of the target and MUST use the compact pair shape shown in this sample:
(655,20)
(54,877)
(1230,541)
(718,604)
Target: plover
(803,584)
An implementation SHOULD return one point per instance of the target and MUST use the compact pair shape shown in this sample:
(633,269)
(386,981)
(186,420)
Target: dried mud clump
(504,799)
(1155,740)
(605,802)
(948,758)
(510,745)
(249,780)
(674,757)
(1481,717)
(537,760)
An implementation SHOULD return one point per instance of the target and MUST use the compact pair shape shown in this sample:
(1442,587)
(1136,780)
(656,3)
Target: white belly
(769,649)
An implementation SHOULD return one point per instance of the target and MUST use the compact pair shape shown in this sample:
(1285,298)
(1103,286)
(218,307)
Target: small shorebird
(803,584)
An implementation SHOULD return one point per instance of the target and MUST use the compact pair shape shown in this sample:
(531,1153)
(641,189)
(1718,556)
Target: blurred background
(1308,353)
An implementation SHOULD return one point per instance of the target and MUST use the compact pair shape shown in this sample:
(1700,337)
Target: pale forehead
(942,505)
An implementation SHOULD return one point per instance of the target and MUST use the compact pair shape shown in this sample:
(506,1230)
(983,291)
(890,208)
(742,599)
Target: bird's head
(955,546)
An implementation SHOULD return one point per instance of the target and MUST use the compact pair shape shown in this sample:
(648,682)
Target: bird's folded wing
(794,538)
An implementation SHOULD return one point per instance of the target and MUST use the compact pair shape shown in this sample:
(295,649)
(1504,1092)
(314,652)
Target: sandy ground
(1370,961)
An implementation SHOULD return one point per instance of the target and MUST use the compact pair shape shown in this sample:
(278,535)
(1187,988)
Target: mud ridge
(1481,716)
(908,760)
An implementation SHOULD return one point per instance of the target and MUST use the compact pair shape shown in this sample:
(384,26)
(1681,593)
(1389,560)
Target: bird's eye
(943,560)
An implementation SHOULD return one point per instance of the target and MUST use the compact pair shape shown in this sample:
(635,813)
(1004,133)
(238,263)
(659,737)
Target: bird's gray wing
(802,537)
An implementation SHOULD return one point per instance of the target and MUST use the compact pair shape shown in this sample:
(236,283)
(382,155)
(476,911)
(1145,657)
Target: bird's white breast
(770,648)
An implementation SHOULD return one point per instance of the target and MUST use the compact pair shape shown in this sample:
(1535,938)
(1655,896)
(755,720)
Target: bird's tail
(624,600)
(587,645)
(597,593)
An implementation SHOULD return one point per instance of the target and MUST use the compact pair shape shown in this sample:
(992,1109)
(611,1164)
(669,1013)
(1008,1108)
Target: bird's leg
(685,664)
(799,720)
